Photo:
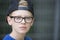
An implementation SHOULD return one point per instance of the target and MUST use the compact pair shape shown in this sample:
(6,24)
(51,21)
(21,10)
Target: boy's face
(20,20)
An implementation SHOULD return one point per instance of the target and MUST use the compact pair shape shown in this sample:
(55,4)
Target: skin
(19,33)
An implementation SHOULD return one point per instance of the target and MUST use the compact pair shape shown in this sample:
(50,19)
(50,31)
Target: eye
(28,18)
(18,18)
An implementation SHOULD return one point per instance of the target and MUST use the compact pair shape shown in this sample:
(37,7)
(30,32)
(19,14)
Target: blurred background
(47,20)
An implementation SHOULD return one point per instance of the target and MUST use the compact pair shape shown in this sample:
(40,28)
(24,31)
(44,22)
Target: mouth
(23,28)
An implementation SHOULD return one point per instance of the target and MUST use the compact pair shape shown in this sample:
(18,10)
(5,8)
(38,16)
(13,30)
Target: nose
(23,21)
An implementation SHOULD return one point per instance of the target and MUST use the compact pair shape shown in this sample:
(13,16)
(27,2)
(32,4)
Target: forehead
(21,13)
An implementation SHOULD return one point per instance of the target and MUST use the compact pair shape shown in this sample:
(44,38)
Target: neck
(17,36)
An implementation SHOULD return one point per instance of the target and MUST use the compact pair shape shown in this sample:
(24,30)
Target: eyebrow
(21,16)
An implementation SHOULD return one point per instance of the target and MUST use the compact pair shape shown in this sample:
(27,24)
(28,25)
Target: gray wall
(44,23)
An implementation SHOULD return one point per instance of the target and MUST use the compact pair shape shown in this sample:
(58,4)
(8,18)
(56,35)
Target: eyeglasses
(19,19)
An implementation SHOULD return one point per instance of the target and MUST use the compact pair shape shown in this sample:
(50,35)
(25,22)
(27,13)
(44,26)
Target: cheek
(11,22)
(14,25)
(28,25)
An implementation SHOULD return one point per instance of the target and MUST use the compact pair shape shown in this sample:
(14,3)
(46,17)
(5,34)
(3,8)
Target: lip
(22,27)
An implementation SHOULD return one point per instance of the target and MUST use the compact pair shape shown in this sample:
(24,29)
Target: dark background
(47,20)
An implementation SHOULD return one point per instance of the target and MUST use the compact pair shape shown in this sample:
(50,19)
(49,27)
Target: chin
(22,32)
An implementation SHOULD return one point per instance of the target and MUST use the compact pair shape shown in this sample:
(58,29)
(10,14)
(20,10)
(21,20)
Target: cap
(20,5)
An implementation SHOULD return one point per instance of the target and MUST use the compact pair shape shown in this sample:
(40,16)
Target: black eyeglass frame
(21,19)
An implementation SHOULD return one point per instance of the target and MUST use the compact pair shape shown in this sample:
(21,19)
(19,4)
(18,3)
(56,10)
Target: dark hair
(14,6)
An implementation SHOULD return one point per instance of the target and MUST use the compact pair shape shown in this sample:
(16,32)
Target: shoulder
(7,37)
(27,38)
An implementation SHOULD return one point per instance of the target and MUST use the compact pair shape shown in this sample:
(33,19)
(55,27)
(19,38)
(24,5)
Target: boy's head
(20,17)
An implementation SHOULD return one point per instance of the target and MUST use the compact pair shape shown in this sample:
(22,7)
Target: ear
(32,22)
(9,20)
